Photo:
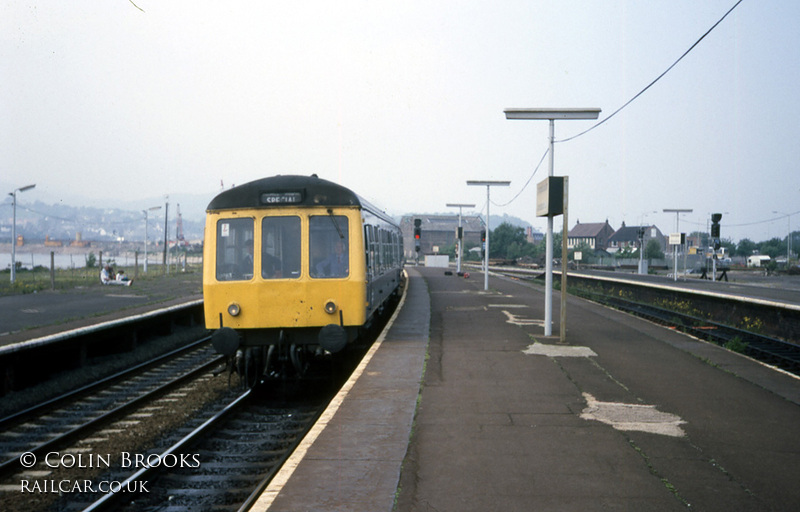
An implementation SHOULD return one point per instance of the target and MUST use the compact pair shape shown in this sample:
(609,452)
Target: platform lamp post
(788,235)
(14,230)
(151,209)
(460,232)
(677,212)
(165,268)
(488,185)
(551,114)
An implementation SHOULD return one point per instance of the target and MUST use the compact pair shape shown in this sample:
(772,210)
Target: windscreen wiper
(335,224)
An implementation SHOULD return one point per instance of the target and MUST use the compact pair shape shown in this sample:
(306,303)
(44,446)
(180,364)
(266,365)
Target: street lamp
(165,268)
(151,209)
(14,230)
(551,114)
(488,185)
(788,235)
(460,232)
(677,212)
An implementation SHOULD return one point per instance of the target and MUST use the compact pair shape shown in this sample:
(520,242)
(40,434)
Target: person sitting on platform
(123,277)
(107,276)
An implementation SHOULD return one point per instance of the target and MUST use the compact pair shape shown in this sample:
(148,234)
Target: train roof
(290,190)
(287,190)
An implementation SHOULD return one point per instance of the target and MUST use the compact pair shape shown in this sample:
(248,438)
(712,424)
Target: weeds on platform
(736,345)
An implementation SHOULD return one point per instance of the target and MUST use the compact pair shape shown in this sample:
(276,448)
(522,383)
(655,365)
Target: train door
(369,248)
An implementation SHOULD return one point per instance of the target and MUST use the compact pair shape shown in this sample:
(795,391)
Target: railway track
(219,455)
(59,421)
(767,349)
(773,351)
(226,461)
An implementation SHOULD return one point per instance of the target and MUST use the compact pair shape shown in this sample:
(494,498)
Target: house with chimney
(593,234)
(627,237)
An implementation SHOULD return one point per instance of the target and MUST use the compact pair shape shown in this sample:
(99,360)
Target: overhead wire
(527,182)
(659,77)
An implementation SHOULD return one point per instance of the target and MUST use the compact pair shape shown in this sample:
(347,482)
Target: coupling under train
(295,266)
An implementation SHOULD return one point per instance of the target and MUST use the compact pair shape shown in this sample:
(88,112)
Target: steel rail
(36,409)
(9,465)
(108,499)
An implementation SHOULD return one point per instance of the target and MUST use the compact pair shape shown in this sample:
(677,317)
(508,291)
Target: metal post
(14,238)
(459,240)
(486,256)
(145,241)
(488,184)
(151,209)
(166,239)
(551,114)
(548,250)
(14,230)
(563,325)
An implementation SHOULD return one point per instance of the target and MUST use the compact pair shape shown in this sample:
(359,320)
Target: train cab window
(280,247)
(234,249)
(329,246)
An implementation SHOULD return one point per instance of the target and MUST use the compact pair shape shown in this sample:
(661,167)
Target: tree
(772,248)
(652,250)
(506,241)
(746,247)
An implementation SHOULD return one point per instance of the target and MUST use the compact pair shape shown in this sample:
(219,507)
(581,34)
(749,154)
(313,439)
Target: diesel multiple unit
(295,265)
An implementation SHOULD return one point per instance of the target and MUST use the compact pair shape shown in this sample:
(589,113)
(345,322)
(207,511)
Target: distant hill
(38,220)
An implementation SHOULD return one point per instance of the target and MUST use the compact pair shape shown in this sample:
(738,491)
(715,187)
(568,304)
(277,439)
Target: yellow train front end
(293,272)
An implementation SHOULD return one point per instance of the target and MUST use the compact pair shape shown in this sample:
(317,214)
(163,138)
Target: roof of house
(626,234)
(587,230)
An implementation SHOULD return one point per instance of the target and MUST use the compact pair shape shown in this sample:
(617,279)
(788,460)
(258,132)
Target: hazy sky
(403,102)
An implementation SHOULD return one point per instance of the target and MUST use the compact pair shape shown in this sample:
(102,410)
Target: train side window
(329,245)
(234,249)
(280,247)
(367,231)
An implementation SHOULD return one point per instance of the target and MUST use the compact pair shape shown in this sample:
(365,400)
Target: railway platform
(465,405)
(35,315)
(626,415)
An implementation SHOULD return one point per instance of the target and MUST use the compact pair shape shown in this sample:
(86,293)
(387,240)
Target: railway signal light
(417,234)
(715,218)
(483,236)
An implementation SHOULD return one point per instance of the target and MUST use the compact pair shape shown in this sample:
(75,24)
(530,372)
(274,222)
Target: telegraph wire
(628,103)
(527,182)
(657,78)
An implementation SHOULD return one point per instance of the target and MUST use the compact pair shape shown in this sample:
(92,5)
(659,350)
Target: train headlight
(330,307)
(234,309)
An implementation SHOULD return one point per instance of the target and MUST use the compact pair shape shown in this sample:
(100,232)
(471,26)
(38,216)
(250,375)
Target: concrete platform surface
(626,416)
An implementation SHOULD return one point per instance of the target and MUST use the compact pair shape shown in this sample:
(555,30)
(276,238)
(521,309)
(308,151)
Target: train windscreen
(234,249)
(280,247)
(328,243)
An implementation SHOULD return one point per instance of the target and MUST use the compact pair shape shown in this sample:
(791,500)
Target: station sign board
(677,238)
(550,196)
